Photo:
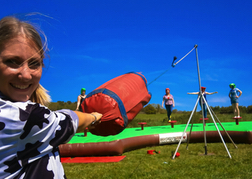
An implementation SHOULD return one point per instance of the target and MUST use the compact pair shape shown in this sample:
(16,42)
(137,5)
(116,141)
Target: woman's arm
(173,102)
(193,93)
(86,120)
(211,93)
(78,102)
(239,92)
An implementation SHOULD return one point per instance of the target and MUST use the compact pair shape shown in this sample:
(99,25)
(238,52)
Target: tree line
(151,108)
(62,105)
(157,109)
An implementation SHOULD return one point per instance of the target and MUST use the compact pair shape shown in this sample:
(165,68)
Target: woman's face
(20,69)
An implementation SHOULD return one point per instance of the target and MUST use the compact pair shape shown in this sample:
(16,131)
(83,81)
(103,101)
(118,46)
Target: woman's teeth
(20,86)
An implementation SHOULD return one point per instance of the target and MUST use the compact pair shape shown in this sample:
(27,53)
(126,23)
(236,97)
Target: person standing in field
(204,93)
(80,98)
(234,95)
(168,100)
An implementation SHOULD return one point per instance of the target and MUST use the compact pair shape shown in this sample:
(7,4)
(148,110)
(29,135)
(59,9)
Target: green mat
(151,130)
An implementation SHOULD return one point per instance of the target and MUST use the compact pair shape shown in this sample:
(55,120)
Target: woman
(234,96)
(204,93)
(30,133)
(168,100)
(80,98)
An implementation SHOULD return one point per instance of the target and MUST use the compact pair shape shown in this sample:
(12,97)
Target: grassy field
(192,163)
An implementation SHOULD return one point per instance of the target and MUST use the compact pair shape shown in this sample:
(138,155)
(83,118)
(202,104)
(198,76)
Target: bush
(226,110)
(149,109)
(249,109)
(216,109)
(243,109)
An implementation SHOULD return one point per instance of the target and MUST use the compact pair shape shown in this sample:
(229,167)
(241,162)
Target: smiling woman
(30,133)
(19,77)
(21,61)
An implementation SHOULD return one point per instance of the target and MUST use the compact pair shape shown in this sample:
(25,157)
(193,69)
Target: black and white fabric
(29,138)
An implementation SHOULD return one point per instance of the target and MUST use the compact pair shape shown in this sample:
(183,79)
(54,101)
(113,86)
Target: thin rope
(173,65)
(158,77)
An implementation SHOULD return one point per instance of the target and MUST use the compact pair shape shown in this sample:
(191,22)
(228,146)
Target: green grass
(192,162)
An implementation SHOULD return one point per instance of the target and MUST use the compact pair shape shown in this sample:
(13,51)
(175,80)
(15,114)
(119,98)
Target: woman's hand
(88,120)
(96,121)
(97,117)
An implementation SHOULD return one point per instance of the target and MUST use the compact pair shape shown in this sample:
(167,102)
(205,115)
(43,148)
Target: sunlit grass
(190,164)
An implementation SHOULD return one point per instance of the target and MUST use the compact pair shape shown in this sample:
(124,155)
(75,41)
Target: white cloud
(219,100)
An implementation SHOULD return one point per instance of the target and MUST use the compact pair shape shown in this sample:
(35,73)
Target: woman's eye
(15,63)
(12,63)
(35,64)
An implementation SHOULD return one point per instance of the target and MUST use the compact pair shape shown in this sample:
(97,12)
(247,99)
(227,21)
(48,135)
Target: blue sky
(94,41)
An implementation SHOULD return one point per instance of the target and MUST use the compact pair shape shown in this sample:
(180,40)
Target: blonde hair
(11,27)
(41,96)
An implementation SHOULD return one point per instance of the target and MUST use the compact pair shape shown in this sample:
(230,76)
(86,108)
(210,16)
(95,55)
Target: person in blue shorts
(30,132)
(234,96)
(204,93)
